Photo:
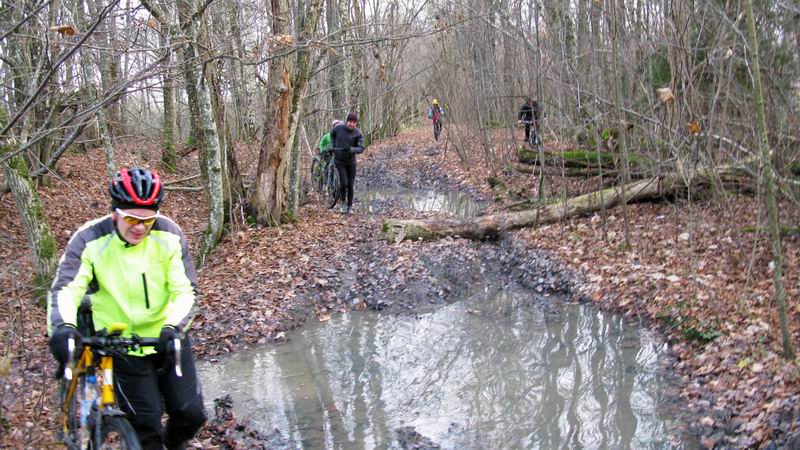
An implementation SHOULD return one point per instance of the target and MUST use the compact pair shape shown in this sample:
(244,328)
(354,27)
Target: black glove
(58,342)
(166,339)
(166,345)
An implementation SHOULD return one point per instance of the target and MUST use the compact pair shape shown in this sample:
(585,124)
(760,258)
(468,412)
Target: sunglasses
(132,219)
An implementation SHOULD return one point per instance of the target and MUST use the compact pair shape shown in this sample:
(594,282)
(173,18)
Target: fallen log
(489,226)
(182,180)
(571,172)
(578,159)
(184,188)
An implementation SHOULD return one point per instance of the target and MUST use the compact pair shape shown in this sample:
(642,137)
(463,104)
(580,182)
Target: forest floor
(699,271)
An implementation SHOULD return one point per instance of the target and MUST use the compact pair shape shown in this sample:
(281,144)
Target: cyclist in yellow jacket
(135,267)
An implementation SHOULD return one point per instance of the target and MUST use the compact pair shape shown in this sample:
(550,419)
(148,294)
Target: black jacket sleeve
(359,147)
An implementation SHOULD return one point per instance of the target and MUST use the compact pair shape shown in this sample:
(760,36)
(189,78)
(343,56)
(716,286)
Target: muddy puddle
(505,368)
(456,203)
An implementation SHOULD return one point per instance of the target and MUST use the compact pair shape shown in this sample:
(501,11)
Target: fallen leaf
(743,363)
(665,94)
(709,442)
(64,29)
(5,365)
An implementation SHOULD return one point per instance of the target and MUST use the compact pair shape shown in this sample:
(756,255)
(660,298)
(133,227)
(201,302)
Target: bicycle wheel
(316,176)
(74,436)
(117,433)
(437,130)
(331,188)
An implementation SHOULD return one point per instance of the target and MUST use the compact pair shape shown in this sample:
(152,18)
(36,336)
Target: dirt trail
(698,272)
(263,282)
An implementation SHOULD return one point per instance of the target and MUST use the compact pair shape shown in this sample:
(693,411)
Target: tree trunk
(623,141)
(44,249)
(335,71)
(489,226)
(92,90)
(769,183)
(268,201)
(203,128)
(169,155)
(103,58)
(213,170)
(309,18)
(243,105)
(233,187)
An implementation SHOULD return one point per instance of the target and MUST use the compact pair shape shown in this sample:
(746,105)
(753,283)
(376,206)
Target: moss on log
(578,158)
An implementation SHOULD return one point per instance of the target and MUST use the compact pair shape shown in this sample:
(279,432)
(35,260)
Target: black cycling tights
(347,180)
(143,391)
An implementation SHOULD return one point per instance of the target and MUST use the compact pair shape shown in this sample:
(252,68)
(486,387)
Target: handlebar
(119,342)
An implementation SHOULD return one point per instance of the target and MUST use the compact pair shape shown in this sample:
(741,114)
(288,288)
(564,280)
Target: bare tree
(769,183)
(308,20)
(268,200)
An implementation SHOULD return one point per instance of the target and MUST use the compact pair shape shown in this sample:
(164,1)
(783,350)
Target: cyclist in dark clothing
(529,115)
(347,143)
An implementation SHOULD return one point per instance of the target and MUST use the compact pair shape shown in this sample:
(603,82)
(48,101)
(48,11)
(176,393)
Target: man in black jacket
(347,143)
(529,116)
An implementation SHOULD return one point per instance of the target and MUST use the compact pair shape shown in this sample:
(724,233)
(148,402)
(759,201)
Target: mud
(410,278)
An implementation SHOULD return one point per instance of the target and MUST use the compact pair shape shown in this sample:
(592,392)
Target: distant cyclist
(135,266)
(435,113)
(529,116)
(347,143)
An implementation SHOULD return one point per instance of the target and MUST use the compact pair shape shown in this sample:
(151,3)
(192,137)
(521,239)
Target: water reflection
(452,202)
(497,371)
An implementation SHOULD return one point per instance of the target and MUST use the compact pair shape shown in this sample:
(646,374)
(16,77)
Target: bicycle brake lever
(178,368)
(135,338)
(70,353)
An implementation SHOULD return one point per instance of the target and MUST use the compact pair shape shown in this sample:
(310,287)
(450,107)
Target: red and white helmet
(136,188)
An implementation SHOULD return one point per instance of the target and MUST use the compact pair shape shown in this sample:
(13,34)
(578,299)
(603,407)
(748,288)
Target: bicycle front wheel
(75,437)
(316,174)
(117,433)
(331,194)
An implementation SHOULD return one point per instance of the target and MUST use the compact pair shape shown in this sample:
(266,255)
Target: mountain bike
(319,167)
(92,419)
(532,136)
(330,187)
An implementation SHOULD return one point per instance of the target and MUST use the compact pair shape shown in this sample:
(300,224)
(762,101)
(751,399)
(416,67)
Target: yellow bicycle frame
(84,363)
(106,380)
